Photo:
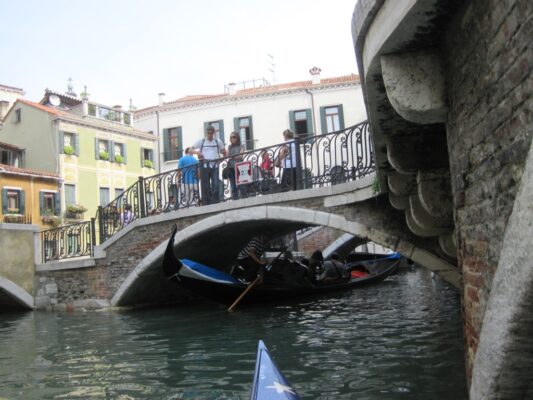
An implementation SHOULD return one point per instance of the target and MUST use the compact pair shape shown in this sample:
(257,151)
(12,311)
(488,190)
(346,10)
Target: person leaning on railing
(287,161)
(186,178)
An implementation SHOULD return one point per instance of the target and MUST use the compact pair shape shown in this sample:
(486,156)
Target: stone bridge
(126,269)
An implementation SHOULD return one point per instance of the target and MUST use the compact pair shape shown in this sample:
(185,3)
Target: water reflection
(401,339)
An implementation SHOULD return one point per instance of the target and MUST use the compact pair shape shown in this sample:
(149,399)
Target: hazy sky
(137,48)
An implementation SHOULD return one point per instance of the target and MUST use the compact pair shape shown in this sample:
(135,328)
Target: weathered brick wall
(489,55)
(318,239)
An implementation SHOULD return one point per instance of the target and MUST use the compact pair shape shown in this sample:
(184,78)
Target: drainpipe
(313,109)
(158,144)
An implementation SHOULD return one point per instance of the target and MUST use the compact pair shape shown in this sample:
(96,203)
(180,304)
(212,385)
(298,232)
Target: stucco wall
(17,254)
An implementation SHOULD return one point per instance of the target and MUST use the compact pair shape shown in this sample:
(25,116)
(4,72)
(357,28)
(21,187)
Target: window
(104,196)
(147,158)
(118,192)
(243,125)
(70,194)
(332,118)
(102,149)
(49,203)
(301,122)
(18,115)
(12,201)
(219,128)
(92,109)
(9,157)
(69,143)
(172,143)
(119,153)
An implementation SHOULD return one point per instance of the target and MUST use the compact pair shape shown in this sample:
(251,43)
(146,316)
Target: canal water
(401,339)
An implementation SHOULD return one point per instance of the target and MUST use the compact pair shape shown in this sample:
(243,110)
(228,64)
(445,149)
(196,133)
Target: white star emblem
(281,388)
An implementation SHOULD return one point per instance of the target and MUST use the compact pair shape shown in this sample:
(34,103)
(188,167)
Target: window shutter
(323,126)
(22,202)
(206,124)
(221,131)
(309,118)
(96,150)
(292,124)
(180,142)
(236,125)
(125,155)
(4,201)
(76,138)
(57,204)
(252,143)
(142,157)
(61,142)
(166,145)
(341,117)
(41,203)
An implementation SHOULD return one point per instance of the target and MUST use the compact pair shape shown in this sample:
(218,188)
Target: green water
(401,339)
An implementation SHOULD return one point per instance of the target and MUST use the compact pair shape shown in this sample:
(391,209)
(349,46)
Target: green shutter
(57,204)
(96,151)
(41,203)
(323,125)
(236,125)
(309,118)
(166,147)
(76,138)
(142,157)
(206,124)
(292,118)
(125,155)
(4,201)
(22,200)
(341,117)
(180,142)
(221,131)
(61,142)
(252,143)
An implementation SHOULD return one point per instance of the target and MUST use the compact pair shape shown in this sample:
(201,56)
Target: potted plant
(119,159)
(104,155)
(12,217)
(75,211)
(148,164)
(53,220)
(68,150)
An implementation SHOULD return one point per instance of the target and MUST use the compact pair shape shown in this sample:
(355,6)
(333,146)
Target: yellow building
(28,196)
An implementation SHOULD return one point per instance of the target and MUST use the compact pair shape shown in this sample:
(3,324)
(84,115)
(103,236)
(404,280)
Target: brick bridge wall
(77,287)
(490,83)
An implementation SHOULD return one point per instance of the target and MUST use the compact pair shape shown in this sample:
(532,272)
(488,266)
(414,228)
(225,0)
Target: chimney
(315,74)
(161,99)
(232,88)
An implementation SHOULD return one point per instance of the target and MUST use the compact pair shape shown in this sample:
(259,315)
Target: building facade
(8,95)
(93,148)
(259,112)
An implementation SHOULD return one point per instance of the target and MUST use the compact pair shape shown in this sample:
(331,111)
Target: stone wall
(317,239)
(488,53)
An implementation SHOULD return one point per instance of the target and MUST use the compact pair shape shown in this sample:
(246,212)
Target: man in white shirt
(209,148)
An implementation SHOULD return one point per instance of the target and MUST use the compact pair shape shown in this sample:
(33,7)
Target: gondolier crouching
(250,258)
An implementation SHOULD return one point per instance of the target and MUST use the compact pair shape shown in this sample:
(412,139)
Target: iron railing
(68,241)
(301,163)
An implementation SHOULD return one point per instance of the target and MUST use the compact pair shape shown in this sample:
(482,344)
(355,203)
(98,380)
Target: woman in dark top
(235,148)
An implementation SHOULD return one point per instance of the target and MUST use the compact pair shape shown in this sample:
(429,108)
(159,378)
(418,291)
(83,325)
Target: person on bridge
(235,149)
(287,161)
(208,149)
(187,178)
(250,258)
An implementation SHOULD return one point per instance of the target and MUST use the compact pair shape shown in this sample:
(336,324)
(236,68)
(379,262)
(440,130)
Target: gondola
(269,383)
(224,288)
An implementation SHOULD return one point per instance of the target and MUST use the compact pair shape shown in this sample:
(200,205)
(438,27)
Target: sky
(135,49)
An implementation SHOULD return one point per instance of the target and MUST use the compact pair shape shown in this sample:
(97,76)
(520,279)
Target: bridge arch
(233,228)
(12,294)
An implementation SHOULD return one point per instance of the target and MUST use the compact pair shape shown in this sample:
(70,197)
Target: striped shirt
(255,243)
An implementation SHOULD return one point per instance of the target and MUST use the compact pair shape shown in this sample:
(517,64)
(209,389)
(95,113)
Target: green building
(93,148)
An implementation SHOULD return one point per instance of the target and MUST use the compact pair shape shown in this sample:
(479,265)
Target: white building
(258,111)
(8,95)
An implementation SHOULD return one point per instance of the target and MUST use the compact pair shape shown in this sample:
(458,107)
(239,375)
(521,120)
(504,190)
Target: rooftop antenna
(84,94)
(271,67)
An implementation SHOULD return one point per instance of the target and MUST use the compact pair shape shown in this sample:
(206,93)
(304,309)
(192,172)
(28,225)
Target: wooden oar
(255,282)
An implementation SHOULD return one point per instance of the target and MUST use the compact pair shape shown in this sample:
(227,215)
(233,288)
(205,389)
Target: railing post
(101,223)
(142,199)
(93,235)
(299,183)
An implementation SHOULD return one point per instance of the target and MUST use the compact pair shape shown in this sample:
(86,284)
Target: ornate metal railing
(68,241)
(301,163)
